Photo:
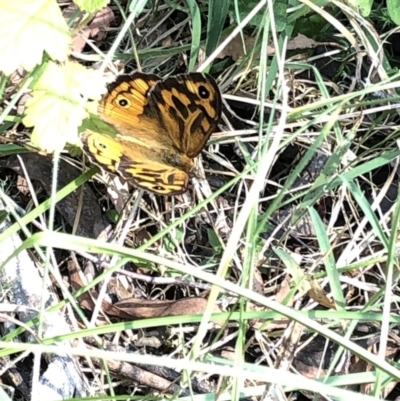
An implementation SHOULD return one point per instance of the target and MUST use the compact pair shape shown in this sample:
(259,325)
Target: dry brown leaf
(319,295)
(101,20)
(142,308)
(135,307)
(235,48)
(284,290)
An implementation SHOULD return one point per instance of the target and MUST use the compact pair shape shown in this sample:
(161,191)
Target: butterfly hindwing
(145,171)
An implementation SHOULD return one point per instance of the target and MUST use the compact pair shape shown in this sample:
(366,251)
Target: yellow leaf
(91,6)
(27,29)
(56,108)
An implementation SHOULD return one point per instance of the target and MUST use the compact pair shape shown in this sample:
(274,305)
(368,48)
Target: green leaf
(363,6)
(3,215)
(313,26)
(196,33)
(90,6)
(292,264)
(217,12)
(113,215)
(172,238)
(28,28)
(11,149)
(393,8)
(280,7)
(243,9)
(6,125)
(96,124)
(214,241)
(137,6)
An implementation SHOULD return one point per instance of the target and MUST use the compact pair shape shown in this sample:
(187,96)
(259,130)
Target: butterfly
(161,126)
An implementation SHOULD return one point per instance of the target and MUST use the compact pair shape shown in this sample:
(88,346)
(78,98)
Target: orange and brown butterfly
(161,125)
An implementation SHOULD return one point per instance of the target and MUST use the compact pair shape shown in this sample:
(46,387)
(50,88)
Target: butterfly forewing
(127,98)
(189,107)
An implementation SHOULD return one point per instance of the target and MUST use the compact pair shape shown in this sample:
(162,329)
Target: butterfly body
(162,125)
